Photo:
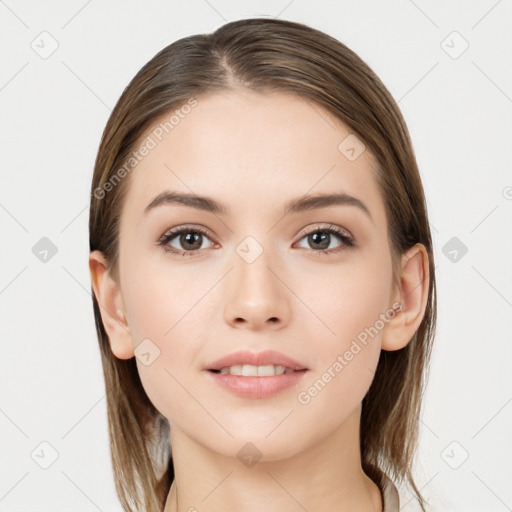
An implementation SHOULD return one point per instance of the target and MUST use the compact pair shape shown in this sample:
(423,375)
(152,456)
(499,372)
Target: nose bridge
(255,295)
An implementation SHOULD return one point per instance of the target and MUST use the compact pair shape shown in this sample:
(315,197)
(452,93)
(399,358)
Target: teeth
(248,370)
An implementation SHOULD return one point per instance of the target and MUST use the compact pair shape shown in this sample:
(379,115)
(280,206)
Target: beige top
(390,497)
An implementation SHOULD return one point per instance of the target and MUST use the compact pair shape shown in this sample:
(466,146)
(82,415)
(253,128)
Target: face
(252,276)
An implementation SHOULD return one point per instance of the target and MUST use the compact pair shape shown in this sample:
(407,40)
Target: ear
(108,296)
(410,298)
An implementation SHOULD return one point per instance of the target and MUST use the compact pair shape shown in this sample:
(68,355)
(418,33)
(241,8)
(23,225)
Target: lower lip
(257,387)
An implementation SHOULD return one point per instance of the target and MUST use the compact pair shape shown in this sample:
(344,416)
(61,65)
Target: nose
(256,296)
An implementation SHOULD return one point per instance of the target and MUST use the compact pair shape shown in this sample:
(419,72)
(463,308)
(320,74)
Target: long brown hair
(266,55)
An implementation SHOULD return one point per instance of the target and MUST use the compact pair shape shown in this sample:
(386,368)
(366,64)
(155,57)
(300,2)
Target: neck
(326,475)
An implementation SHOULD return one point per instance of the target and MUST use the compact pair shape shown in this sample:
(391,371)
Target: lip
(256,359)
(256,387)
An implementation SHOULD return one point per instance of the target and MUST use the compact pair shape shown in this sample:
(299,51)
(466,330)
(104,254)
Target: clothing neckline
(389,495)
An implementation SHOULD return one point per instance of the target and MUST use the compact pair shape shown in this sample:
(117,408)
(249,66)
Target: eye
(190,238)
(321,239)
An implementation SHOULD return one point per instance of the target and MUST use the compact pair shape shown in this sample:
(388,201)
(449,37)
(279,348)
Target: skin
(253,153)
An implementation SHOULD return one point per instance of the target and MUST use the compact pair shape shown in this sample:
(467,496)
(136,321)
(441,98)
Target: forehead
(251,150)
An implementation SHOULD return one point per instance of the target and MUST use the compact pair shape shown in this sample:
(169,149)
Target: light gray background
(458,106)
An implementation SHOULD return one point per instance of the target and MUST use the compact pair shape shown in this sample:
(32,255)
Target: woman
(263,278)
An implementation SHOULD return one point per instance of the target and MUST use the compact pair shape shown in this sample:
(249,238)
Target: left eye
(322,237)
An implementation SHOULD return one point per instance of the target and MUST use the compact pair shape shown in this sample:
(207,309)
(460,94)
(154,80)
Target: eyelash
(347,240)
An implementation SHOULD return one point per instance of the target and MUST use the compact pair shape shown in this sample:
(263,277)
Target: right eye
(190,238)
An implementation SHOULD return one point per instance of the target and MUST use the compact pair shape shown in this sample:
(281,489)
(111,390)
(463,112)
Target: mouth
(248,370)
(256,382)
(245,363)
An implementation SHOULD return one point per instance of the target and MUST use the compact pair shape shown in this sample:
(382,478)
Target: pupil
(188,241)
(324,238)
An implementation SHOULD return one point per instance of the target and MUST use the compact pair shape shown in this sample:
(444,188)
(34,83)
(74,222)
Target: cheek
(347,301)
(349,305)
(347,357)
(163,307)
(161,297)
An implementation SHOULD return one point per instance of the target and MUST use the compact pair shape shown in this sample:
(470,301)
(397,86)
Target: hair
(266,55)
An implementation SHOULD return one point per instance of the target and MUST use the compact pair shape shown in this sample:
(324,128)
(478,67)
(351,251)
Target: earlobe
(108,296)
(412,295)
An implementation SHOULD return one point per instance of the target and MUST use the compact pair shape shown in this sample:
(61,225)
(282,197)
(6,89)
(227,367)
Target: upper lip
(265,358)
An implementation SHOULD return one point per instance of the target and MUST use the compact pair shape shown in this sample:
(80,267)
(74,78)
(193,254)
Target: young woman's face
(256,277)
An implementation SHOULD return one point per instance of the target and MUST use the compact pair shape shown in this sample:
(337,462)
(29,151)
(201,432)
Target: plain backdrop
(63,67)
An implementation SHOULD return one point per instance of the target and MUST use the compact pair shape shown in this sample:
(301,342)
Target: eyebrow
(307,202)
